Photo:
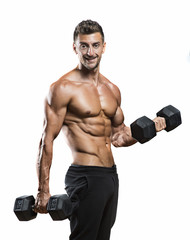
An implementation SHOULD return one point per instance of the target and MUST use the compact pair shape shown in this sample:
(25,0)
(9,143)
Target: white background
(147,56)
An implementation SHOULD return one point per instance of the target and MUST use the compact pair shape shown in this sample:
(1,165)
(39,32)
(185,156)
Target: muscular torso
(88,120)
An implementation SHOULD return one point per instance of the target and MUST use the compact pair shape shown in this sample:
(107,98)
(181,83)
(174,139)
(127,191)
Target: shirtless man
(86,106)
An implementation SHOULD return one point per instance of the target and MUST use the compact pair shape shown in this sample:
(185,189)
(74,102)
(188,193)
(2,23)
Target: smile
(91,59)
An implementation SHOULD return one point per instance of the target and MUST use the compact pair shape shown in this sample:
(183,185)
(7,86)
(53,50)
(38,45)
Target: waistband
(80,169)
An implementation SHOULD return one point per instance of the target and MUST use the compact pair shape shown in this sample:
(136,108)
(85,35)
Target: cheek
(99,54)
(100,51)
(80,55)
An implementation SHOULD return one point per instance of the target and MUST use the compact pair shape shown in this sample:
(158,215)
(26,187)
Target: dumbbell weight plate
(172,116)
(23,208)
(59,207)
(143,129)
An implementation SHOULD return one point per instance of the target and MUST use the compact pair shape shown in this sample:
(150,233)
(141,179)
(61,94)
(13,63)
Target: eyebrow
(87,43)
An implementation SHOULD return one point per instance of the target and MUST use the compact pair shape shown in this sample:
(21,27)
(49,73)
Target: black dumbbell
(143,129)
(59,207)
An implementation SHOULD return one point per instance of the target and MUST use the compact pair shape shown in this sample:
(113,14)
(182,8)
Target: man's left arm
(121,134)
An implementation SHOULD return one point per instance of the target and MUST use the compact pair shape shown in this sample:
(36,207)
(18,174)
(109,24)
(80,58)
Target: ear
(75,48)
(104,47)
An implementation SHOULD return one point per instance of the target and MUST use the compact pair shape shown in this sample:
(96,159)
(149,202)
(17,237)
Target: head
(89,43)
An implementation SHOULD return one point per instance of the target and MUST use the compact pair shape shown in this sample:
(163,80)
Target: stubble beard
(87,66)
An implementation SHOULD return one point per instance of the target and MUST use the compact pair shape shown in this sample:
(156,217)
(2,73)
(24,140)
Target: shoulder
(64,86)
(60,93)
(61,85)
(113,88)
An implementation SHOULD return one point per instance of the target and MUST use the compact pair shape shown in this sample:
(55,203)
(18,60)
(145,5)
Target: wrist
(43,189)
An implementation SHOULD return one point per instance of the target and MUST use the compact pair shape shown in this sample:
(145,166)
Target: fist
(41,202)
(160,123)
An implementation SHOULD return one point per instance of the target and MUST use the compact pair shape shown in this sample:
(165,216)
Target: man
(86,105)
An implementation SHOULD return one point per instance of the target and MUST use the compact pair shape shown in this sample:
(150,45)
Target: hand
(117,140)
(41,202)
(160,123)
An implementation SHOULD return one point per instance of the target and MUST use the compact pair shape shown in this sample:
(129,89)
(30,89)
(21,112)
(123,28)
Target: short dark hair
(88,27)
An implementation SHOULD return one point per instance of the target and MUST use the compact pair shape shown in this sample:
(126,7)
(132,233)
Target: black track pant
(94,192)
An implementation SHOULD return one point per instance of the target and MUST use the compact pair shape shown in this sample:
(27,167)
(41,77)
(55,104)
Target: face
(89,48)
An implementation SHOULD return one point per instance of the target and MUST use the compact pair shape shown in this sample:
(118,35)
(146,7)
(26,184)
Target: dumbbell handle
(160,123)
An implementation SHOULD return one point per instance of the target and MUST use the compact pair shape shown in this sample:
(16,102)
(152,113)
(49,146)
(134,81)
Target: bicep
(118,122)
(55,111)
(118,118)
(121,134)
(53,121)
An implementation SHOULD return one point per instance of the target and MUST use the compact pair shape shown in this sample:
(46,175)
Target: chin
(92,66)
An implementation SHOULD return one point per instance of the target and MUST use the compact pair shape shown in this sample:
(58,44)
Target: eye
(96,45)
(83,46)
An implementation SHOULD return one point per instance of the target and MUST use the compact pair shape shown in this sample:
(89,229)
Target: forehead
(89,38)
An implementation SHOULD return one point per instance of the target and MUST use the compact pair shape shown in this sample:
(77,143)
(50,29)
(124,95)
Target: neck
(89,74)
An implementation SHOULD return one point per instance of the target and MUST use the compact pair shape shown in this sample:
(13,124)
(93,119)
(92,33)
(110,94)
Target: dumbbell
(143,129)
(59,207)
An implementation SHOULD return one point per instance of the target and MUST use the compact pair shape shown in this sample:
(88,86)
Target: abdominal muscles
(89,140)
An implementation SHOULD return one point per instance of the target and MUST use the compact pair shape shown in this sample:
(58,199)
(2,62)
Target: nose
(90,51)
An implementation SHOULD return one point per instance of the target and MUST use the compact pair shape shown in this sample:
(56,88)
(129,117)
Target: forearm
(43,165)
(122,137)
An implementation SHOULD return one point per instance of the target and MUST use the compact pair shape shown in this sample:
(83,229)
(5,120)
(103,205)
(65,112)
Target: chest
(89,100)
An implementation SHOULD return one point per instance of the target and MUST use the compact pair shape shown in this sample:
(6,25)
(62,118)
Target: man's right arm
(55,111)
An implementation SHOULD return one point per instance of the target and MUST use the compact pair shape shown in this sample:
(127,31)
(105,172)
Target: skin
(85,105)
